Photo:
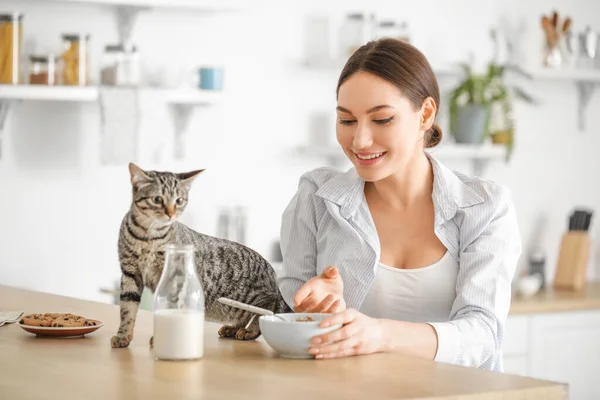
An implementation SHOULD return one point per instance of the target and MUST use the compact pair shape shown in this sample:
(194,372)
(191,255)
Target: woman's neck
(408,186)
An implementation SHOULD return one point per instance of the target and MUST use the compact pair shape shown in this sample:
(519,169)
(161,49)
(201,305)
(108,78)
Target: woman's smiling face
(378,128)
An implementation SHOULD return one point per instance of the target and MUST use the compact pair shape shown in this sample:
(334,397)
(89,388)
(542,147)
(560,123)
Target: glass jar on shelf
(120,66)
(404,32)
(387,29)
(43,69)
(392,29)
(354,33)
(75,58)
(11,37)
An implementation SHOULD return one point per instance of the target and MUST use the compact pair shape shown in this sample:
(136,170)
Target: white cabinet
(516,335)
(516,365)
(559,346)
(566,347)
(516,345)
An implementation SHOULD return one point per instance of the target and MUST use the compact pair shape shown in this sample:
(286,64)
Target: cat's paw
(227,331)
(152,342)
(243,334)
(233,332)
(120,341)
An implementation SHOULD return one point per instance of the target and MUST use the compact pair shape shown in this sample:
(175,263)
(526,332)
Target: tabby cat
(225,268)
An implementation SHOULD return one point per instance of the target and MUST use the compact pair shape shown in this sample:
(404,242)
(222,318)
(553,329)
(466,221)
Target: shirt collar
(449,192)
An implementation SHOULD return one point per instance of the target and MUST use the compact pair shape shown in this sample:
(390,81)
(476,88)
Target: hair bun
(433,136)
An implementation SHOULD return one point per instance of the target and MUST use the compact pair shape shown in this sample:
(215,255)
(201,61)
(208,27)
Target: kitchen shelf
(469,151)
(182,101)
(53,93)
(585,80)
(182,104)
(90,93)
(567,74)
(478,155)
(9,94)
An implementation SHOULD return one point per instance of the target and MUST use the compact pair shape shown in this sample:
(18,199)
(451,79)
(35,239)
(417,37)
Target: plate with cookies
(59,324)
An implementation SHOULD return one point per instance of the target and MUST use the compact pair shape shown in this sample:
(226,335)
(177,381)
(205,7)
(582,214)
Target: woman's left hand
(359,334)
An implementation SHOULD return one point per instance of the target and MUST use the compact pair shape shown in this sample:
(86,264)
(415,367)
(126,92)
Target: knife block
(571,269)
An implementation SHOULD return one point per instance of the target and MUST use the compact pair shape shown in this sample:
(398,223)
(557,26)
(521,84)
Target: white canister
(121,66)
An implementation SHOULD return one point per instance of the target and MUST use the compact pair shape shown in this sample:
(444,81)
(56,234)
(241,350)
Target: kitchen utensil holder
(573,259)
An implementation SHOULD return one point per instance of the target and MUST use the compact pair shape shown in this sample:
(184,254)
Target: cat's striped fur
(225,268)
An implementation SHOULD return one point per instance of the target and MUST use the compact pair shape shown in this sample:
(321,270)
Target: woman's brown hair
(404,66)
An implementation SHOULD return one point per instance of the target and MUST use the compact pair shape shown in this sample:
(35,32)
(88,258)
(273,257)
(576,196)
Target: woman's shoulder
(323,180)
(493,202)
(318,177)
(492,219)
(490,192)
(313,189)
(326,185)
(468,191)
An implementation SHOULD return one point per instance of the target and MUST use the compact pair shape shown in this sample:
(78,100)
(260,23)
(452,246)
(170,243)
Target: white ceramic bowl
(291,338)
(529,285)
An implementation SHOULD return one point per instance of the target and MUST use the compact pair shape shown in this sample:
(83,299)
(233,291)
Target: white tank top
(416,295)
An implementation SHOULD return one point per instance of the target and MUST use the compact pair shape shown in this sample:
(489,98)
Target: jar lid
(43,58)
(356,16)
(387,24)
(120,48)
(11,17)
(76,37)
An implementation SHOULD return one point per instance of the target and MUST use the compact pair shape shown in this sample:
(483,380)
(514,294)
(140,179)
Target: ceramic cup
(211,78)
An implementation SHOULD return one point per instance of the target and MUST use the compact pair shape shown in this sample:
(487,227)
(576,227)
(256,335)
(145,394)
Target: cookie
(36,320)
(68,321)
(57,320)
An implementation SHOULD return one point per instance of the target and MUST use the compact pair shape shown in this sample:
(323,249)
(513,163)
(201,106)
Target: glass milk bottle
(179,307)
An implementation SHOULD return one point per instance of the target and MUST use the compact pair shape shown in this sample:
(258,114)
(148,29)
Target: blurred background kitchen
(246,89)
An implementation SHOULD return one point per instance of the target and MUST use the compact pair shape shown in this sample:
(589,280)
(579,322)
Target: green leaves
(487,89)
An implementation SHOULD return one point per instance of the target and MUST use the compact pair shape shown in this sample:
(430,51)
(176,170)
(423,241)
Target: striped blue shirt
(328,222)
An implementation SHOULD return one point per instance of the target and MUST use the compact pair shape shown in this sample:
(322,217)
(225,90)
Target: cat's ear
(188,177)
(138,175)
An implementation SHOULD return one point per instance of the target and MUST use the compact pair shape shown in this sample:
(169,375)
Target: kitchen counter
(35,368)
(551,300)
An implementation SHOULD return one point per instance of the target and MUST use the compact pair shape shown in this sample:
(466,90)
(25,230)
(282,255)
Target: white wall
(61,208)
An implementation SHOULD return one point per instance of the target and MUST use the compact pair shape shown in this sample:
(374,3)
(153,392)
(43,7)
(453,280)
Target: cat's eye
(157,200)
(179,201)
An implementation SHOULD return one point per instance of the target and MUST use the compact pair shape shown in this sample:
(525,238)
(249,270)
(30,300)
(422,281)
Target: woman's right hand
(321,294)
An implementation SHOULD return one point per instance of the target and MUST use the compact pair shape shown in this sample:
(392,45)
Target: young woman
(409,256)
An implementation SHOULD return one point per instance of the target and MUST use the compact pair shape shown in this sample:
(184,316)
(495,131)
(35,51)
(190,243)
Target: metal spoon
(248,307)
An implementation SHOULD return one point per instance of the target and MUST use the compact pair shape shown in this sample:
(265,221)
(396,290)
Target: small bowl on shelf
(529,285)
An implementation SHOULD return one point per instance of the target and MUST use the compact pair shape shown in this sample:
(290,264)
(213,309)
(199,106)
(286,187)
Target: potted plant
(481,106)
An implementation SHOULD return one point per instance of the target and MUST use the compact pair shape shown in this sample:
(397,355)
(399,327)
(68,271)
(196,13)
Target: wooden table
(88,368)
